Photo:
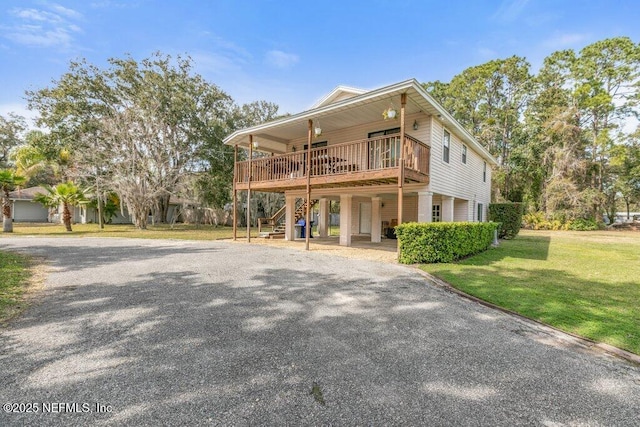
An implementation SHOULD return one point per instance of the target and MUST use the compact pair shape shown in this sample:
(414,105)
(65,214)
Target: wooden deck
(368,162)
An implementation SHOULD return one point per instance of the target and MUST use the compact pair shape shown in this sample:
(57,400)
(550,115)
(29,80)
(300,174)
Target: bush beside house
(509,215)
(442,241)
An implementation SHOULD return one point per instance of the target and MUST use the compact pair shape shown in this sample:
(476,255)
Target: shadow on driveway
(215,333)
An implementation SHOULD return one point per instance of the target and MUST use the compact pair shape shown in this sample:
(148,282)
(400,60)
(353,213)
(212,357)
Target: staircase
(276,221)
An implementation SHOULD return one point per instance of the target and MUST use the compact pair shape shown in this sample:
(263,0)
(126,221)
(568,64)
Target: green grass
(586,283)
(160,231)
(14,278)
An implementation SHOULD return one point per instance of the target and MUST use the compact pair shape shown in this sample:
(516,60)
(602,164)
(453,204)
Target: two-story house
(389,155)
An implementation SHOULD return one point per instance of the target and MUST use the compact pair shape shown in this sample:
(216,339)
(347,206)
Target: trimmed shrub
(442,241)
(509,215)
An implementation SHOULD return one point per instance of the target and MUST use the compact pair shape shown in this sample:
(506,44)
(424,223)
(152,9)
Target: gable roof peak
(338,94)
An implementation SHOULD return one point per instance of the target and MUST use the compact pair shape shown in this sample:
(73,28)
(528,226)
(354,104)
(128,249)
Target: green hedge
(442,241)
(509,215)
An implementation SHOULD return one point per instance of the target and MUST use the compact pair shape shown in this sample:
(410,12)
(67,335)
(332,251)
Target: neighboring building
(369,150)
(24,209)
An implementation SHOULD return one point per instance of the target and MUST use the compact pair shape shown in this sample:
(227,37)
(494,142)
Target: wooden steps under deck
(279,228)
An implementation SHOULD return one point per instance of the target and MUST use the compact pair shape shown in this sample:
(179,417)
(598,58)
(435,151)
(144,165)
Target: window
(315,145)
(435,215)
(464,154)
(484,172)
(383,132)
(480,211)
(446,142)
(384,148)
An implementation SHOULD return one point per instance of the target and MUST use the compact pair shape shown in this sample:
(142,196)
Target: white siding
(463,181)
(27,211)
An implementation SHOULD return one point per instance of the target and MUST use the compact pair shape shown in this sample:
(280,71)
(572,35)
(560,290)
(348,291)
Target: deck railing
(371,154)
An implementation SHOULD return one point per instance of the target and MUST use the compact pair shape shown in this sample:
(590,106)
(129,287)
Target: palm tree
(8,182)
(68,194)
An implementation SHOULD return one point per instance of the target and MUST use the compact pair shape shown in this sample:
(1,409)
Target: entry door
(365,218)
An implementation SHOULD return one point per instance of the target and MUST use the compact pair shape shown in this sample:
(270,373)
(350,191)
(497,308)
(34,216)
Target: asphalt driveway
(148,332)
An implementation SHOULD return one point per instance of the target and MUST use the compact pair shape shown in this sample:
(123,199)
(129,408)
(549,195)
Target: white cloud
(43,28)
(509,10)
(280,59)
(564,41)
(36,15)
(33,35)
(69,13)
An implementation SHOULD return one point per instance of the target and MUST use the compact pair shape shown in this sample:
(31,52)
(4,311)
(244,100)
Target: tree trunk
(66,216)
(163,208)
(7,222)
(100,218)
(628,203)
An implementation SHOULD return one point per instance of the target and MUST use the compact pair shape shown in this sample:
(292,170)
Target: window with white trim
(464,154)
(446,145)
(480,211)
(484,172)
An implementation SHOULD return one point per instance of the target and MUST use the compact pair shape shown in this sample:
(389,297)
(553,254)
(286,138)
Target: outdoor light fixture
(255,144)
(389,113)
(415,125)
(318,130)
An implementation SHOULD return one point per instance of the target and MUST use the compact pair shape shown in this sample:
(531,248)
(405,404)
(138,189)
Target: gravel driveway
(150,332)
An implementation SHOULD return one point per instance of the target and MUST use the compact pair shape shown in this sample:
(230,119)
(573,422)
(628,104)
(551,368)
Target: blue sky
(294,52)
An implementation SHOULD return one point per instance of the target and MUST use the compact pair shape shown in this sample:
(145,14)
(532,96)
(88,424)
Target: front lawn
(586,283)
(160,231)
(14,278)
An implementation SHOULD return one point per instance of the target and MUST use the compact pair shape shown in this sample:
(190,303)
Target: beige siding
(361,132)
(410,209)
(461,210)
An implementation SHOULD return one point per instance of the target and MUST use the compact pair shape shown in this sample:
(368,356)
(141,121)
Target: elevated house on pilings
(389,155)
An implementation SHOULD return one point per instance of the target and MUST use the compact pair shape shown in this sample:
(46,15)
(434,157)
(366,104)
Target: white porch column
(323,218)
(346,204)
(376,220)
(425,206)
(447,208)
(289,217)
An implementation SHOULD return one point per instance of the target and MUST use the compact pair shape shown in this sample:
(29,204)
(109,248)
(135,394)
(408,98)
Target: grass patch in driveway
(15,274)
(586,283)
(160,231)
